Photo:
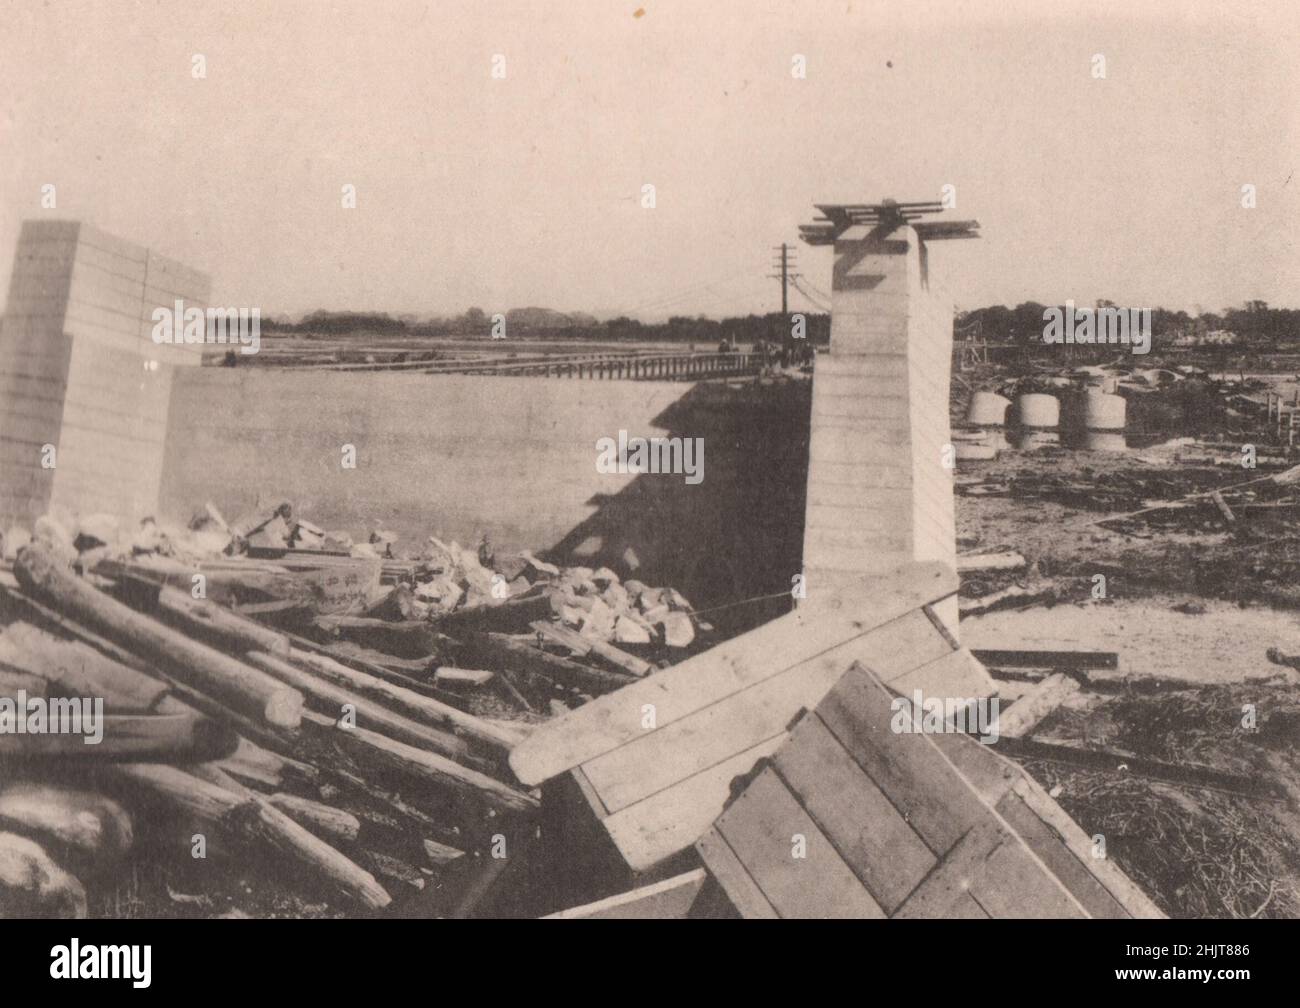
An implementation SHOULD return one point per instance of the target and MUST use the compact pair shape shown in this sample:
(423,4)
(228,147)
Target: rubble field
(1181,553)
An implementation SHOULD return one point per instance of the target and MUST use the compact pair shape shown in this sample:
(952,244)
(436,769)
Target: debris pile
(280,698)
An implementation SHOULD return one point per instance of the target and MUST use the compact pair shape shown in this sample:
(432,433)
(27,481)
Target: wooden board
(901,824)
(656,758)
(713,675)
(670,899)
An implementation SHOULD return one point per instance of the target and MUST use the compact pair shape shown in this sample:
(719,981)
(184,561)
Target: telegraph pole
(785,264)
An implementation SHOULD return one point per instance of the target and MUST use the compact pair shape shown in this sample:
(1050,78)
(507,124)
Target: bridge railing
(652,367)
(627,367)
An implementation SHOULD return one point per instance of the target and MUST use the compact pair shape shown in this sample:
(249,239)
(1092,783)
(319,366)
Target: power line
(811,300)
(815,289)
(661,302)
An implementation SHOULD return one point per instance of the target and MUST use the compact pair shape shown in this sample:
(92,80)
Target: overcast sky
(474,191)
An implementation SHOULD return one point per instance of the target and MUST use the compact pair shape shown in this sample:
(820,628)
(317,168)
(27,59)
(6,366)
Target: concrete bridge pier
(84,390)
(879,481)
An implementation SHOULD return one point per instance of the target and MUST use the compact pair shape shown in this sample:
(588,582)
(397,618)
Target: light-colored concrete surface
(80,372)
(878,491)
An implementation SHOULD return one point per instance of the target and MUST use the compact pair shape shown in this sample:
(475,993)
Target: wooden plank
(972,860)
(866,829)
(710,735)
(1035,705)
(1120,886)
(673,819)
(736,882)
(988,773)
(703,796)
(670,899)
(909,769)
(957,673)
(965,908)
(612,721)
(1015,885)
(1044,822)
(1049,847)
(951,879)
(761,827)
(1123,763)
(1049,659)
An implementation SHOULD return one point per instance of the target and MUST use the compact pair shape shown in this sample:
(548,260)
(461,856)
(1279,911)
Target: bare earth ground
(1230,613)
(1224,644)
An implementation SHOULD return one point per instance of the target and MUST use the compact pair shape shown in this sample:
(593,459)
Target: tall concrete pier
(84,390)
(879,492)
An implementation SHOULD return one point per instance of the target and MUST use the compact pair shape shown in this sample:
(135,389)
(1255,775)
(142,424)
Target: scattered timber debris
(329,709)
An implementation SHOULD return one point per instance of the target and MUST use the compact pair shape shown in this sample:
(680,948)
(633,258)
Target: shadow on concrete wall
(736,535)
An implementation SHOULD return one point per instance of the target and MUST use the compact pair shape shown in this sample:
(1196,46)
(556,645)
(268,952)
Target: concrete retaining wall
(458,456)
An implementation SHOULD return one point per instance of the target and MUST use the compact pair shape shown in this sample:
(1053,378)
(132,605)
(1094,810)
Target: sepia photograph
(651,460)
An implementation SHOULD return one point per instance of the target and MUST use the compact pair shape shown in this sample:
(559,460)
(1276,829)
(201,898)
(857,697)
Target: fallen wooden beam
(382,756)
(509,616)
(424,709)
(449,675)
(71,668)
(1024,597)
(219,625)
(226,580)
(33,886)
(378,664)
(1222,505)
(251,763)
(385,814)
(205,668)
(407,639)
(181,737)
(252,821)
(521,656)
(1125,764)
(579,644)
(973,562)
(1048,659)
(409,668)
(1034,705)
(88,830)
(328,823)
(335,700)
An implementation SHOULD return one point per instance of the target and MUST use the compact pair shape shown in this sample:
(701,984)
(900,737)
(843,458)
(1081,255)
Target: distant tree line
(544,323)
(1255,324)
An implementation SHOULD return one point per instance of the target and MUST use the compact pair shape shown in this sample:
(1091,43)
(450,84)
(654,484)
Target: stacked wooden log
(358,785)
(326,709)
